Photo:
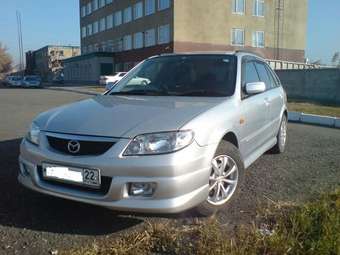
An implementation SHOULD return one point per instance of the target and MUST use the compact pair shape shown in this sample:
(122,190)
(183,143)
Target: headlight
(159,143)
(33,134)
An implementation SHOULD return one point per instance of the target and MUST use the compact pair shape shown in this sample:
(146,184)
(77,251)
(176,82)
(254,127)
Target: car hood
(124,116)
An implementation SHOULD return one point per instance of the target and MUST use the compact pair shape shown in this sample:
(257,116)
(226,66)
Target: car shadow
(25,209)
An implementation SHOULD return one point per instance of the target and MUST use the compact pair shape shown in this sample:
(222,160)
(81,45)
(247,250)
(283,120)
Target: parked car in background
(32,81)
(110,80)
(176,133)
(14,81)
(58,79)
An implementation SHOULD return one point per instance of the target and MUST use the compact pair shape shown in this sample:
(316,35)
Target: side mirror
(255,88)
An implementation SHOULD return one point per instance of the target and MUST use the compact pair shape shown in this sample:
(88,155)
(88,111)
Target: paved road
(31,223)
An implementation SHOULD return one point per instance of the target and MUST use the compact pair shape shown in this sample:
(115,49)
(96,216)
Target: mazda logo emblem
(73,146)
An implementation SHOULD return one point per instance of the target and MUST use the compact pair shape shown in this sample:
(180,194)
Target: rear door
(274,98)
(277,98)
(254,111)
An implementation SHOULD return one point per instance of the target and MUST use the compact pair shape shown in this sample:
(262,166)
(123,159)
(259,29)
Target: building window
(149,7)
(127,15)
(102,24)
(127,42)
(101,3)
(83,32)
(83,11)
(109,21)
(108,1)
(258,39)
(95,27)
(103,46)
(94,5)
(138,40)
(118,46)
(89,29)
(138,10)
(237,37)
(150,37)
(90,48)
(110,45)
(118,18)
(89,9)
(164,34)
(239,6)
(163,4)
(258,9)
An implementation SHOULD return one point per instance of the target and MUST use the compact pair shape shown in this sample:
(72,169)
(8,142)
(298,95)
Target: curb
(313,119)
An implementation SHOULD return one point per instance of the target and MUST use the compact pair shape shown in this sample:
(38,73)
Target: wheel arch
(232,138)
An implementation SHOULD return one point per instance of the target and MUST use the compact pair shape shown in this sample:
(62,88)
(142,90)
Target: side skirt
(259,152)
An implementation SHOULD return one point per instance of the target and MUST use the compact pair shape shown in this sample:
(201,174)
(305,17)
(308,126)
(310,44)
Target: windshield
(181,75)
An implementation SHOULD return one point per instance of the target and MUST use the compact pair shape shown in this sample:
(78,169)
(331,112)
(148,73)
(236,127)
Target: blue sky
(57,22)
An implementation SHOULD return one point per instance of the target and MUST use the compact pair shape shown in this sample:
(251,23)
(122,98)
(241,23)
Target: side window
(249,74)
(261,69)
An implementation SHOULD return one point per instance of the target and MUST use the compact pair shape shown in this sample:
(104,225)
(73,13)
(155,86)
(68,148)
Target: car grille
(102,190)
(85,147)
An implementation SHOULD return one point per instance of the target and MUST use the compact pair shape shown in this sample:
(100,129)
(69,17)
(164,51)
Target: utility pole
(21,49)
(279,26)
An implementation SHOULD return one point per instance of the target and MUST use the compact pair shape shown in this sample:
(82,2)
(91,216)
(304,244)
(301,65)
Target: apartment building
(136,29)
(47,61)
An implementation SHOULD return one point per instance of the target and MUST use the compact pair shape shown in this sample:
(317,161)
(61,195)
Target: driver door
(254,111)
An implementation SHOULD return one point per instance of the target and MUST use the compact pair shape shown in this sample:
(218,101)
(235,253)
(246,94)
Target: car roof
(238,53)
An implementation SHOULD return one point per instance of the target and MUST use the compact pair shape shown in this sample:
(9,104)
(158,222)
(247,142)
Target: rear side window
(264,76)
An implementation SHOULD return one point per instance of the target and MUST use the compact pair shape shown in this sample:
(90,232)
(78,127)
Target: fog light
(24,169)
(144,189)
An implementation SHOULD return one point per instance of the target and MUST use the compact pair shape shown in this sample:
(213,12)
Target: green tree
(5,60)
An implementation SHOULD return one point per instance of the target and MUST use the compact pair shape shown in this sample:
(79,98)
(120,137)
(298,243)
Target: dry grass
(312,228)
(313,108)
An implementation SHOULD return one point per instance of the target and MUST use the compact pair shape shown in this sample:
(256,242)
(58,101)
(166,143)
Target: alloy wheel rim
(223,180)
(283,133)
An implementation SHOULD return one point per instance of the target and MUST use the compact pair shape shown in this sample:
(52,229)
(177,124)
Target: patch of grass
(313,108)
(312,228)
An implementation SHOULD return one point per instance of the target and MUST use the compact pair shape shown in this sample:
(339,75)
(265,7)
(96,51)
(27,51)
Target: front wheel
(226,176)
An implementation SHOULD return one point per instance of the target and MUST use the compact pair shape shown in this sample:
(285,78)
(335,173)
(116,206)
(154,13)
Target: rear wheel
(280,145)
(226,176)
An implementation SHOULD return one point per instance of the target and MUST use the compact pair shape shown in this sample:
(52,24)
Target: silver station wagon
(176,133)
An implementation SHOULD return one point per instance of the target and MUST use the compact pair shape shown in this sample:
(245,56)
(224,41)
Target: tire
(229,152)
(280,145)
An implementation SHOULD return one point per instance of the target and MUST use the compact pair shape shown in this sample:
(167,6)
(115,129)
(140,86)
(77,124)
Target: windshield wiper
(139,93)
(202,92)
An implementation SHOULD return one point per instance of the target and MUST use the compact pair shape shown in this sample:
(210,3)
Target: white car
(109,80)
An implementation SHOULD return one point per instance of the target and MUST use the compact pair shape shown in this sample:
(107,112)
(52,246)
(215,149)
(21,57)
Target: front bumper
(181,178)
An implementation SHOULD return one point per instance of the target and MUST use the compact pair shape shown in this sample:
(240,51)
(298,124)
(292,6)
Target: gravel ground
(31,223)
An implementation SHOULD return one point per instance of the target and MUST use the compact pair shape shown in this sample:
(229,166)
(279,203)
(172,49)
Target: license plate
(72,175)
